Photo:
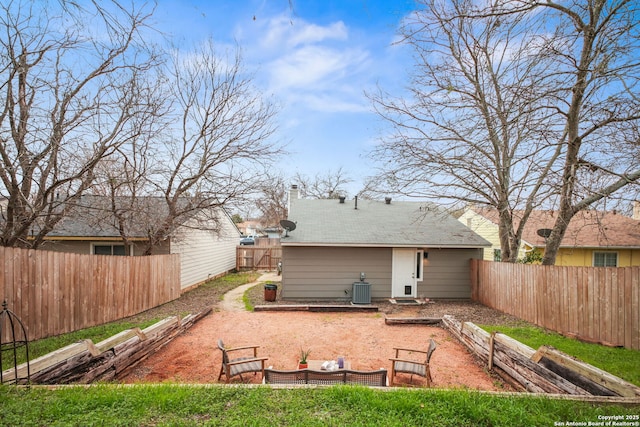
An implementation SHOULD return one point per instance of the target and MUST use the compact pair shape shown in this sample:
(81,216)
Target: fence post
(473,271)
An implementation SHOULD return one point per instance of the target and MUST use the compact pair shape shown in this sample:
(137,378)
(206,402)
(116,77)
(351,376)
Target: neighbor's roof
(92,219)
(587,229)
(375,223)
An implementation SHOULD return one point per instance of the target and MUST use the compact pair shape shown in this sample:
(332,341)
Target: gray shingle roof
(375,223)
(91,216)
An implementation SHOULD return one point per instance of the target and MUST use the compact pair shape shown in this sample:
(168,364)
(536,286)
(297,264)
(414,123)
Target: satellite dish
(544,232)
(288,226)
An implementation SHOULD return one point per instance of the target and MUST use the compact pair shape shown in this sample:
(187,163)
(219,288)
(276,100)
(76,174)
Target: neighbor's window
(605,259)
(108,250)
(497,255)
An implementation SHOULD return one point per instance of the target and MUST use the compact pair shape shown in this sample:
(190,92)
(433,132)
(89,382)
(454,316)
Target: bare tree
(470,129)
(596,46)
(330,185)
(212,151)
(72,82)
(272,203)
(486,120)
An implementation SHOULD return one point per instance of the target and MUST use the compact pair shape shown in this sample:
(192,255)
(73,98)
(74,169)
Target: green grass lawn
(175,405)
(621,362)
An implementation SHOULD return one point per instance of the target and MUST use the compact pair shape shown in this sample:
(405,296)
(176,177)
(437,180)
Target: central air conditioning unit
(361,293)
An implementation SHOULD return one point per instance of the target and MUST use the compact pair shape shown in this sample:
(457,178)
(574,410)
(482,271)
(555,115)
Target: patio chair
(241,364)
(408,366)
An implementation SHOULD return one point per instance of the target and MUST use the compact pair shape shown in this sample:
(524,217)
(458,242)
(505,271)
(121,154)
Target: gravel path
(233,300)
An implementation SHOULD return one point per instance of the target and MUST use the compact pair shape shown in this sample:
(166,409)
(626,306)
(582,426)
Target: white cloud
(328,103)
(281,32)
(313,67)
(316,67)
(310,65)
(314,33)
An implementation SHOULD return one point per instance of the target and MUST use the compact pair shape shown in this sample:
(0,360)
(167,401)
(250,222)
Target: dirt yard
(362,338)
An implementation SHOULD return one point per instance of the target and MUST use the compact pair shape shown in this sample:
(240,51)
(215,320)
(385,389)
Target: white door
(403,275)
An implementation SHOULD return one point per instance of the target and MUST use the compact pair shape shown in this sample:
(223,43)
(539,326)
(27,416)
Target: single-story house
(401,249)
(593,238)
(204,253)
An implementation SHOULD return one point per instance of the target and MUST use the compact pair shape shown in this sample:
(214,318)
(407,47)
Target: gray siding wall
(446,273)
(326,273)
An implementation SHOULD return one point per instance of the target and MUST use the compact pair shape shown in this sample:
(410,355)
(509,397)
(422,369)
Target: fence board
(579,302)
(590,304)
(594,303)
(616,286)
(540,289)
(606,303)
(570,299)
(622,284)
(635,311)
(55,292)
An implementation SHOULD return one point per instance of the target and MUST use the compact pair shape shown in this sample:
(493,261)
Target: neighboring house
(481,221)
(593,238)
(249,227)
(256,229)
(273,232)
(204,253)
(404,250)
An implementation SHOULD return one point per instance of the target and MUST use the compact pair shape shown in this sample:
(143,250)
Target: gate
(258,257)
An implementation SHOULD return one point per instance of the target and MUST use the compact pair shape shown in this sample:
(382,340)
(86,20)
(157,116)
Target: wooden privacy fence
(55,292)
(595,304)
(258,257)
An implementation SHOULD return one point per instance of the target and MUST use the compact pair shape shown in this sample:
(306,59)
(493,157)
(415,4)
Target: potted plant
(304,354)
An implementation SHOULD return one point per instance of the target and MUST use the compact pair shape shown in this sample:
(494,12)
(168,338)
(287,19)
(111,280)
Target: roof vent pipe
(356,199)
(387,200)
(342,199)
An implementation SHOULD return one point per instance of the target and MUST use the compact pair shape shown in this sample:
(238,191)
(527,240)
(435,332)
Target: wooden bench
(343,376)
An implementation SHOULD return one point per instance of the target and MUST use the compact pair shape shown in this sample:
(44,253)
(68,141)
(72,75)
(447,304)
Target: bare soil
(463,310)
(362,338)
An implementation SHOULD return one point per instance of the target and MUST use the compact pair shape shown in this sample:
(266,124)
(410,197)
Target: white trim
(369,245)
(602,248)
(593,258)
(403,273)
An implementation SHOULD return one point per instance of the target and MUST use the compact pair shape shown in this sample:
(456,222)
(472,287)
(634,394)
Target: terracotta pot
(303,365)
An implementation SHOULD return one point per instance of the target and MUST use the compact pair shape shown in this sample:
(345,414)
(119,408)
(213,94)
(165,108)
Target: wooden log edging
(85,362)
(318,308)
(412,320)
(543,371)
